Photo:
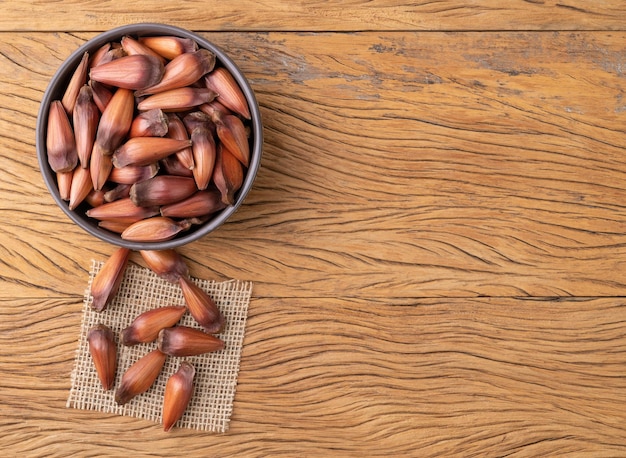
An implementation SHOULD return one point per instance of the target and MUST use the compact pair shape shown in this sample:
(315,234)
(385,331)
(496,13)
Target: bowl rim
(65,71)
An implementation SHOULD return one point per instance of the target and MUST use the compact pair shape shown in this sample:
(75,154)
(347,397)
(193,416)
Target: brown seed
(169,46)
(103,351)
(81,186)
(186,341)
(171,165)
(146,150)
(114,226)
(129,72)
(179,99)
(99,56)
(120,191)
(64,183)
(201,306)
(86,118)
(155,229)
(106,53)
(183,70)
(60,142)
(162,190)
(227,174)
(177,131)
(106,283)
(78,80)
(232,133)
(132,47)
(151,123)
(95,198)
(133,174)
(230,94)
(100,166)
(167,264)
(199,204)
(101,95)
(146,327)
(178,391)
(204,152)
(116,120)
(140,376)
(122,210)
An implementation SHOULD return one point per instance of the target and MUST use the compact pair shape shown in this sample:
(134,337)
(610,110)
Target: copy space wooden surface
(436,236)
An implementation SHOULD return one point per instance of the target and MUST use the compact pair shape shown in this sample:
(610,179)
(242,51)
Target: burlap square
(215,381)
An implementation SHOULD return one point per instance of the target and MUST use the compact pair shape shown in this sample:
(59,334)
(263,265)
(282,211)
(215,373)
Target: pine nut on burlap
(215,381)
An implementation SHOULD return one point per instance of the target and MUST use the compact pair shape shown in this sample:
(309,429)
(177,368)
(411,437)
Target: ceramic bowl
(56,89)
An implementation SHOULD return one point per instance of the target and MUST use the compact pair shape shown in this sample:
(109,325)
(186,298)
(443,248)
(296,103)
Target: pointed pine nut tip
(64,183)
(104,354)
(100,166)
(81,187)
(106,283)
(114,226)
(178,392)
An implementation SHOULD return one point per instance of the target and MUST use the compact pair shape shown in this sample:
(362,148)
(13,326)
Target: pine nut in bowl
(149,137)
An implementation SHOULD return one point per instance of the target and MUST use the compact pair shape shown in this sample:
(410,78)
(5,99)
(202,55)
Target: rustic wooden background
(437,234)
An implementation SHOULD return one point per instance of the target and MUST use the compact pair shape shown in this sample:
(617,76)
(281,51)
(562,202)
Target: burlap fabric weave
(215,381)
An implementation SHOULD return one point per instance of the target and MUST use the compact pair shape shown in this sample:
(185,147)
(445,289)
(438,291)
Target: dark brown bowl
(56,89)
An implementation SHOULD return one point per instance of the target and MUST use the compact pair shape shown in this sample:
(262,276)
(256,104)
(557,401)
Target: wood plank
(428,164)
(356,15)
(348,377)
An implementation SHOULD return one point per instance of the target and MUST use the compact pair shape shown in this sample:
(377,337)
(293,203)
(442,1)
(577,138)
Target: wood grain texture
(436,235)
(347,377)
(427,164)
(334,15)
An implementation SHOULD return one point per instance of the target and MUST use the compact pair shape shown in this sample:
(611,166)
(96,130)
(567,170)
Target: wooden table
(437,234)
